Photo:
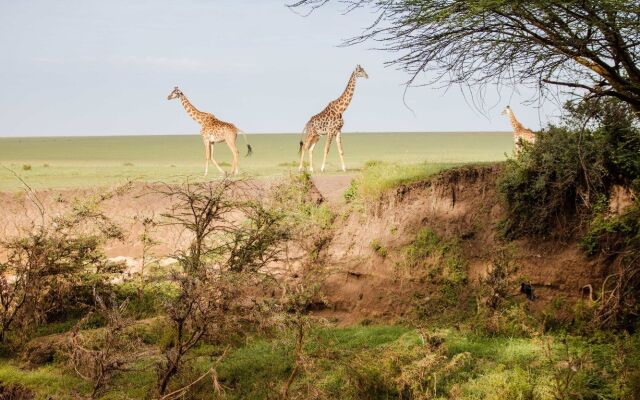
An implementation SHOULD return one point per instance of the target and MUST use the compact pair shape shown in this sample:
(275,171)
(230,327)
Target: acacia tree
(588,47)
(232,239)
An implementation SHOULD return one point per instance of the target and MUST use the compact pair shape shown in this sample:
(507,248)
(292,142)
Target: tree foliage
(587,46)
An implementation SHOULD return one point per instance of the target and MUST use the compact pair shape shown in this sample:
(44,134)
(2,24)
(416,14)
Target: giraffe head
(506,111)
(175,93)
(360,72)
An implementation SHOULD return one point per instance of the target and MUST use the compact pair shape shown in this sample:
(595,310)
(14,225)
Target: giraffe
(213,131)
(329,122)
(520,133)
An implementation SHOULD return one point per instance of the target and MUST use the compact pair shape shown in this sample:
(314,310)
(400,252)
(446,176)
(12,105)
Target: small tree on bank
(231,241)
(51,264)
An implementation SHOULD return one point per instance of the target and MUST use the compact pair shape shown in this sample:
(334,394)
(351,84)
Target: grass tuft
(378,177)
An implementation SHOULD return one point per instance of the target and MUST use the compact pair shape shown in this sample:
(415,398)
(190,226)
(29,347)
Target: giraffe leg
(339,143)
(234,151)
(302,150)
(207,156)
(213,158)
(306,144)
(235,160)
(313,145)
(327,145)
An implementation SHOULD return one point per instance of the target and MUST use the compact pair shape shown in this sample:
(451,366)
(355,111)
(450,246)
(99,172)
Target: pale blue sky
(95,67)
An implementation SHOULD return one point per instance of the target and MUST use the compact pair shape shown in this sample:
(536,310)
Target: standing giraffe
(329,122)
(520,133)
(213,131)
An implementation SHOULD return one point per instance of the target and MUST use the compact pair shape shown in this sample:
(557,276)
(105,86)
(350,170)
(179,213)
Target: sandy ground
(19,211)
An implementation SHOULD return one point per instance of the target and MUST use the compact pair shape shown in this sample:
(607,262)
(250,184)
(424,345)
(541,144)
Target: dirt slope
(459,204)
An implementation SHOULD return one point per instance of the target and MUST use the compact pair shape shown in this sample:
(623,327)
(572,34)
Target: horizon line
(248,133)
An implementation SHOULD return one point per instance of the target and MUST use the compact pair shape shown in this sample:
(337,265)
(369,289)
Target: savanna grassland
(399,279)
(65,162)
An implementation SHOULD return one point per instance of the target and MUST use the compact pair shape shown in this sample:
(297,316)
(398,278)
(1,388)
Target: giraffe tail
(249,148)
(304,130)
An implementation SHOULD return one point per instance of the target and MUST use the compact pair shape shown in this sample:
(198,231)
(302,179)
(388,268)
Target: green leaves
(553,184)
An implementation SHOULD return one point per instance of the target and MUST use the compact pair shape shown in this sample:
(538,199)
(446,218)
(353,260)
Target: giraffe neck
(342,102)
(515,124)
(196,114)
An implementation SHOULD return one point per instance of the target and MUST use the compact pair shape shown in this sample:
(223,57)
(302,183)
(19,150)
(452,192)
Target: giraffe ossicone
(329,122)
(212,131)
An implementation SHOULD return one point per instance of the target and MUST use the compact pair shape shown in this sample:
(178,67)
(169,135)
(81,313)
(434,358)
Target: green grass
(61,162)
(380,176)
(47,382)
(249,369)
(355,337)
(134,385)
(377,362)
(515,384)
(504,350)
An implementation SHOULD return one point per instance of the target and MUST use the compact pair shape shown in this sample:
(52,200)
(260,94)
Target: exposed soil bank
(460,204)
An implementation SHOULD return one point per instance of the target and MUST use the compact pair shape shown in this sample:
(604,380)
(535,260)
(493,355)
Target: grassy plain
(61,162)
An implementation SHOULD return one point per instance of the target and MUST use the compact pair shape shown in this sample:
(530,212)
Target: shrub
(98,356)
(497,286)
(617,126)
(308,218)
(351,194)
(550,182)
(378,248)
(26,167)
(443,256)
(617,238)
(440,265)
(610,234)
(46,272)
(626,365)
(555,184)
(148,300)
(425,243)
(15,392)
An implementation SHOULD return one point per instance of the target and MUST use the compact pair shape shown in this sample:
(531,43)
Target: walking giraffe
(520,133)
(329,122)
(213,131)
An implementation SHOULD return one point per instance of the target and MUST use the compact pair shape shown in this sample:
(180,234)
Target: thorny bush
(232,239)
(54,265)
